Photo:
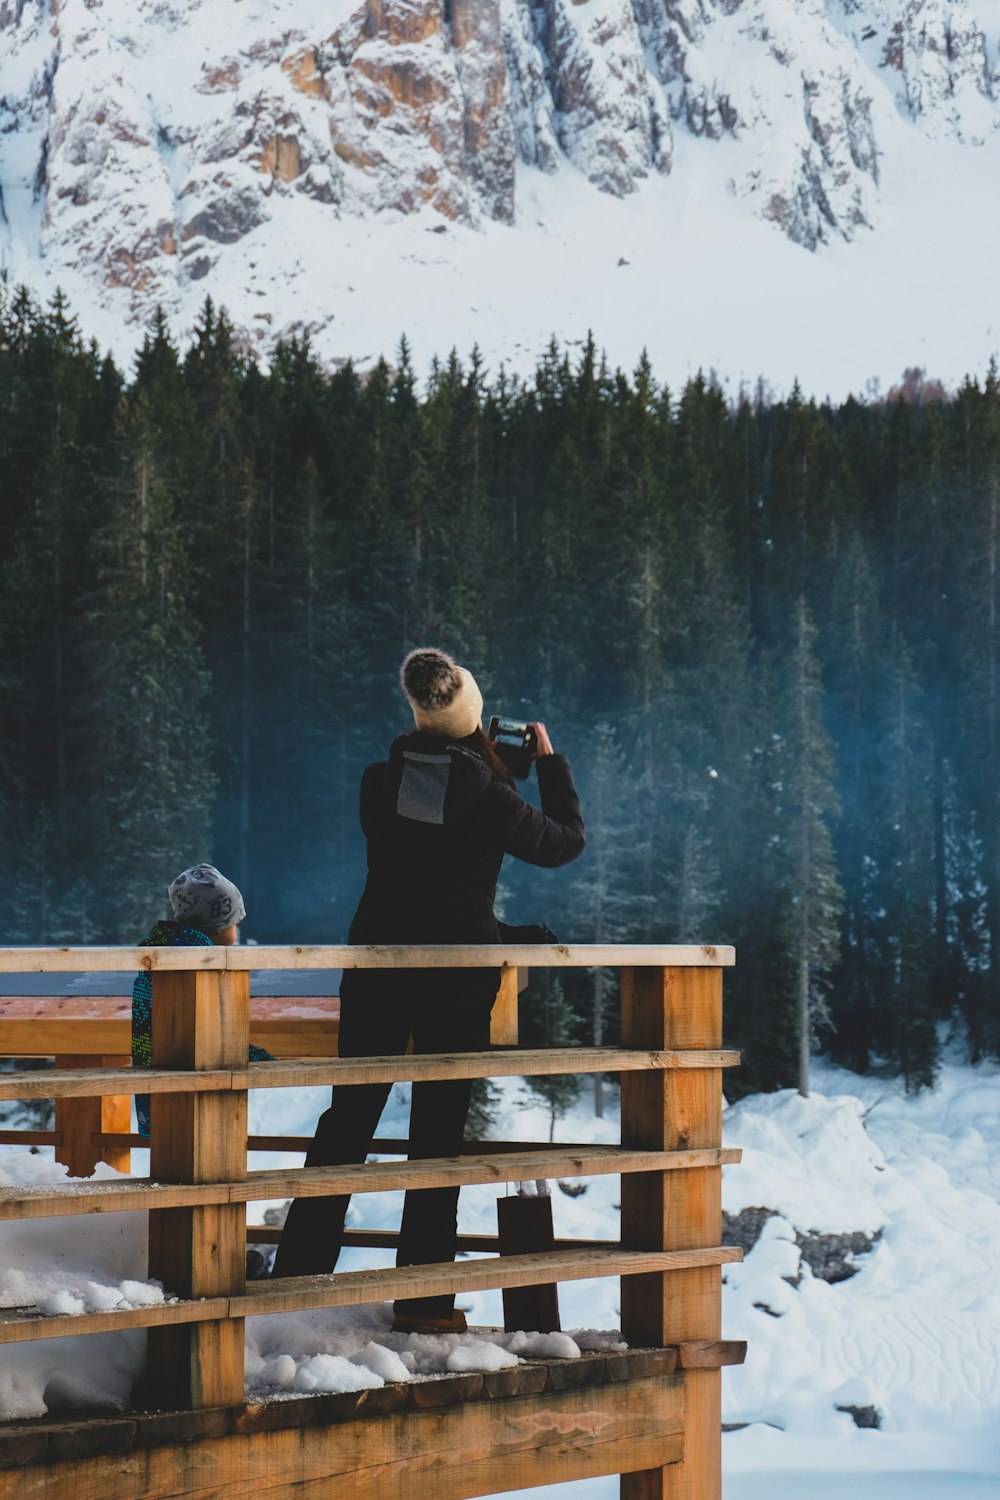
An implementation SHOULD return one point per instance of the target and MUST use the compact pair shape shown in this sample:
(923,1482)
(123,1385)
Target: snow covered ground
(914,1334)
(677,269)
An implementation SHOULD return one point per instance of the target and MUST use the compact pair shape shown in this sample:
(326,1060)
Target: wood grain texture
(503,1017)
(94,1037)
(710,1354)
(201,1021)
(447,1453)
(525,1062)
(670,1111)
(49,1036)
(384,1145)
(100,1025)
(78,1082)
(18,1202)
(109,960)
(24,1325)
(79,1121)
(355,1288)
(358,1288)
(456,956)
(528,1062)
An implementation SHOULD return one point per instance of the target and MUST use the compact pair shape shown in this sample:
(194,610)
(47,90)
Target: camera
(515,744)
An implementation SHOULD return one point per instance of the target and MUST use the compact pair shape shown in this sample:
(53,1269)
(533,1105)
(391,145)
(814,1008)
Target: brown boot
(418,1323)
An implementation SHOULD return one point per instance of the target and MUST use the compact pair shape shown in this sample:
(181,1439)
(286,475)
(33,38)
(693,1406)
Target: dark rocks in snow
(830,1257)
(228,217)
(864,1416)
(744,1229)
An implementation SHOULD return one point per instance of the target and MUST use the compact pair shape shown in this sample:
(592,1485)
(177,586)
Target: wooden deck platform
(652,1415)
(540,1422)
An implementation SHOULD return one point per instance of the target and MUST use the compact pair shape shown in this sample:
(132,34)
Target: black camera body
(515,743)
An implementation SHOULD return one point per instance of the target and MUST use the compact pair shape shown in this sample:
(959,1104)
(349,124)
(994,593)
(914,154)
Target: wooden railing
(669,1255)
(95,1031)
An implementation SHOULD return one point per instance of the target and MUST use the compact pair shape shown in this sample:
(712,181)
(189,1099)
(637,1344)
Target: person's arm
(554,836)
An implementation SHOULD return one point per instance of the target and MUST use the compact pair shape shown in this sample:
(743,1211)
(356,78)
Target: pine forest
(766,632)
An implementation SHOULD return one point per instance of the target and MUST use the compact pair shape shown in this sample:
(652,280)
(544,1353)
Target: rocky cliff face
(141,140)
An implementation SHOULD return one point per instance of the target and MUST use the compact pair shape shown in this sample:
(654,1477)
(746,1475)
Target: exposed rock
(228,216)
(609,113)
(281,158)
(830,1257)
(488,134)
(864,1416)
(939,51)
(406,105)
(744,1229)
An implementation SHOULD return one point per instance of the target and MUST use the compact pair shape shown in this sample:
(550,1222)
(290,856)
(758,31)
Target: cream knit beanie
(444,697)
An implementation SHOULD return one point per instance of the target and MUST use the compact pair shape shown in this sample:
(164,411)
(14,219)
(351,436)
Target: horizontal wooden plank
(85,1083)
(469,1171)
(24,1325)
(452,956)
(25,1202)
(119,1008)
(296,1038)
(358,1288)
(388,1239)
(487,956)
(400,1146)
(381,1145)
(102,1037)
(46,1038)
(710,1354)
(107,960)
(526,1062)
(441,1453)
(499,1063)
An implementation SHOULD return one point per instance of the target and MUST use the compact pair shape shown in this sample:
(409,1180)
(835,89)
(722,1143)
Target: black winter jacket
(438,824)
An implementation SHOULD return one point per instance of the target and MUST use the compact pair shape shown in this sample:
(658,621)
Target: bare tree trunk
(804,1027)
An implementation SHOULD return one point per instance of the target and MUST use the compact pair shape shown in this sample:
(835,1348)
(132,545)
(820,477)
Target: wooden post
(80,1119)
(524,1225)
(503,1017)
(201,1020)
(675,1110)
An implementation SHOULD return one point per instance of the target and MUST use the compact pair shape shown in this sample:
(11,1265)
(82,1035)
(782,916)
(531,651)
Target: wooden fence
(669,1255)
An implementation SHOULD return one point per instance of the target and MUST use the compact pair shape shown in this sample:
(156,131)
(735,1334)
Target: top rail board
(455,956)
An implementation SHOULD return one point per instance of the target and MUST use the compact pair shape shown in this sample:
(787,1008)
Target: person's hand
(544,743)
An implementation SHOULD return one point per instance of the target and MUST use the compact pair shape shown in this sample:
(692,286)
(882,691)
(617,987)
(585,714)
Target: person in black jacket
(439,815)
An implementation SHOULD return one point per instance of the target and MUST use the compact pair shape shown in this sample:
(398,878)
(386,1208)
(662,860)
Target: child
(207,909)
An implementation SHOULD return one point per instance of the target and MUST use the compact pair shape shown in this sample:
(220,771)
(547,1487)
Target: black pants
(449,1012)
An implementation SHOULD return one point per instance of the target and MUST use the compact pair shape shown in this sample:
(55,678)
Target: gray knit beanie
(445,698)
(205,898)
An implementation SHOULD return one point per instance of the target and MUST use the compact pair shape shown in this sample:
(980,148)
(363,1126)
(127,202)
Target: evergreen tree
(149,772)
(603,902)
(806,802)
(547,1019)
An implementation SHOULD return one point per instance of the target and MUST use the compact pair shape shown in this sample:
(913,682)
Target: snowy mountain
(290,157)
